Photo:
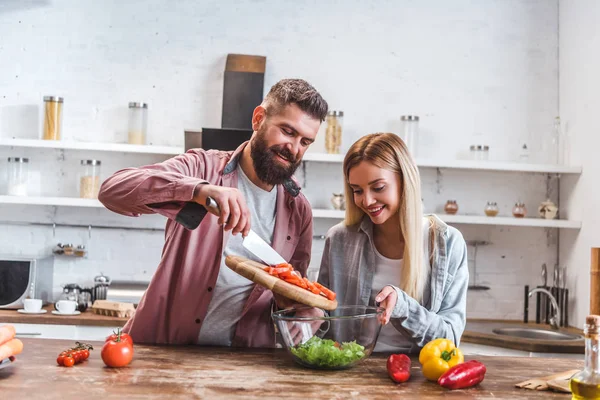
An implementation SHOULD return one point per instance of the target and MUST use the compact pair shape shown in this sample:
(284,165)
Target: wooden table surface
(193,372)
(87,318)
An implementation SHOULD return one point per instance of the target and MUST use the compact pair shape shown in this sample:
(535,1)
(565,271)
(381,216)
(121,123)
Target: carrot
(330,294)
(286,274)
(7,332)
(293,280)
(312,287)
(11,348)
(280,270)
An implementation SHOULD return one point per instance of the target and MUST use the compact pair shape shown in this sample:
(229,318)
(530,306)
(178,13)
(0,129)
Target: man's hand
(300,331)
(234,211)
(387,299)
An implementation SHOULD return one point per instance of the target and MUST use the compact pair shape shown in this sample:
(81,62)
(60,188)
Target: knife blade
(253,242)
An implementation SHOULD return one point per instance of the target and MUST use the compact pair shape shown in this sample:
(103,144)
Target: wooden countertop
(87,318)
(480,331)
(192,372)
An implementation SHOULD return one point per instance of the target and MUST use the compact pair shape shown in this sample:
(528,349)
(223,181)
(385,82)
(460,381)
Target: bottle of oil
(585,385)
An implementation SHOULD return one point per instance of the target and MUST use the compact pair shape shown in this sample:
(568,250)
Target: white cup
(32,305)
(66,306)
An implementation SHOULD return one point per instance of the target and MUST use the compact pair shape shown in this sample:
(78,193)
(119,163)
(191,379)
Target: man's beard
(268,169)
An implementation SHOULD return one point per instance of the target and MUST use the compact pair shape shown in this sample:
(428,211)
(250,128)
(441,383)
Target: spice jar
(138,122)
(52,117)
(519,210)
(547,209)
(80,251)
(58,249)
(89,183)
(68,250)
(479,152)
(491,209)
(451,207)
(333,133)
(17,176)
(410,130)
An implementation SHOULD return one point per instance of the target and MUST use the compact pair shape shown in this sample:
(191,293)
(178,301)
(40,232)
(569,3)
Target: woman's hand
(387,299)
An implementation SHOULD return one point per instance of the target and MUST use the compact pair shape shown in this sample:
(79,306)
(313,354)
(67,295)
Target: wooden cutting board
(560,385)
(254,271)
(542,383)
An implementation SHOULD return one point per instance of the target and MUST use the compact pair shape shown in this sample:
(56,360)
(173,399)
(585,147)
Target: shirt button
(197,320)
(210,289)
(289,238)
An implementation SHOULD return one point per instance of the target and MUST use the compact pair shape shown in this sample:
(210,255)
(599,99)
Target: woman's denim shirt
(348,266)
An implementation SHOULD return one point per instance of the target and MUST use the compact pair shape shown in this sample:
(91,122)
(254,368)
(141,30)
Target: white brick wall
(579,63)
(476,72)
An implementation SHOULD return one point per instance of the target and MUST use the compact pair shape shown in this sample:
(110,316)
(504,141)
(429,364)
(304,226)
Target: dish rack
(113,308)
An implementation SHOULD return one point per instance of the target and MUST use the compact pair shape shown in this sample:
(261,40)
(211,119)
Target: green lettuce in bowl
(338,340)
(326,353)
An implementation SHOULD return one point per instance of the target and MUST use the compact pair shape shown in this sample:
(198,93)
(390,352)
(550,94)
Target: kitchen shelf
(465,164)
(317,213)
(499,166)
(50,201)
(109,147)
(476,220)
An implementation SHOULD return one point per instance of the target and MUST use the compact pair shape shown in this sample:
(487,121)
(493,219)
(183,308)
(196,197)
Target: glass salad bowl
(339,340)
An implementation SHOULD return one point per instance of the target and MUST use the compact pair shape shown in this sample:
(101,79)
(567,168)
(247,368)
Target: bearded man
(193,297)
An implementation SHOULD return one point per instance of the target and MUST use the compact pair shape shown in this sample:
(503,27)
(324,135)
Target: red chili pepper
(463,375)
(398,367)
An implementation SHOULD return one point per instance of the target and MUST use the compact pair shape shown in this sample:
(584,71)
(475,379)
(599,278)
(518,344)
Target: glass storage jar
(519,210)
(138,123)
(491,209)
(479,152)
(410,132)
(451,207)
(333,133)
(53,106)
(18,174)
(89,182)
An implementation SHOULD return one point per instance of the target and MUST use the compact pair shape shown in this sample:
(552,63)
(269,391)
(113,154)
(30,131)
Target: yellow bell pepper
(438,356)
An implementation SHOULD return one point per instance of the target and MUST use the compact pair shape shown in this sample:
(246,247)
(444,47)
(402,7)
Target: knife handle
(526,305)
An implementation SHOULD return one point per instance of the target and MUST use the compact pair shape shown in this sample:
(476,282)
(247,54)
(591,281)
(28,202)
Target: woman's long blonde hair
(388,151)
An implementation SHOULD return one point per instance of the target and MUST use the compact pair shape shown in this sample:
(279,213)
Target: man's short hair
(299,92)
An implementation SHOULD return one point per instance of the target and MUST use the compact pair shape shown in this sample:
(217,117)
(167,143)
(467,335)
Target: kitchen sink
(533,333)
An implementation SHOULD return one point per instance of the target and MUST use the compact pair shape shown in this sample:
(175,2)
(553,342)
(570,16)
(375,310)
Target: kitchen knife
(539,300)
(253,243)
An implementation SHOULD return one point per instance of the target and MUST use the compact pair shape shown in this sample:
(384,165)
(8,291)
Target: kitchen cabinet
(66,332)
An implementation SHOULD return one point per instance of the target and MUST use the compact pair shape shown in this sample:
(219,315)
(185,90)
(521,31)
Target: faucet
(554,320)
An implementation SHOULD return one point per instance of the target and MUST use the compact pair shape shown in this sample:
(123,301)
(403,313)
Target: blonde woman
(386,252)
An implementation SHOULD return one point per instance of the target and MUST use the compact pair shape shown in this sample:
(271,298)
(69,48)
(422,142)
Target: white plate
(22,311)
(62,313)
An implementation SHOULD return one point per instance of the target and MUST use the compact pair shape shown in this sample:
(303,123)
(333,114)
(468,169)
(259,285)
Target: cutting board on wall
(253,271)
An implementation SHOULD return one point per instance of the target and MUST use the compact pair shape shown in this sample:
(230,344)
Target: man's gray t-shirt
(232,290)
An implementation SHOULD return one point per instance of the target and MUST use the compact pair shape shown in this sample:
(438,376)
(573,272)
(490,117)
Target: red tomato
(116,354)
(60,360)
(69,361)
(124,338)
(86,354)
